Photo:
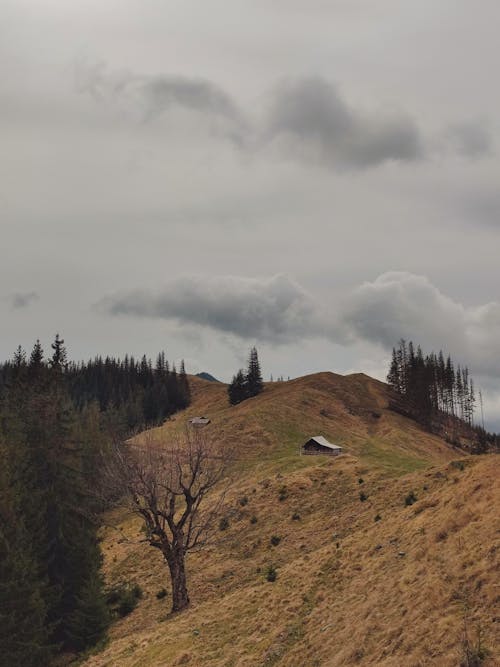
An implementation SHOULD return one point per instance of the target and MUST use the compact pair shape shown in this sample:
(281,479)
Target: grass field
(359,582)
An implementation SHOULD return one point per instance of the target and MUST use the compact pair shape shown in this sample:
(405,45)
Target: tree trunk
(180,597)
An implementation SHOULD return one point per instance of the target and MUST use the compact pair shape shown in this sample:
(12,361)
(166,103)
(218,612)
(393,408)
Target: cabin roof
(199,420)
(323,442)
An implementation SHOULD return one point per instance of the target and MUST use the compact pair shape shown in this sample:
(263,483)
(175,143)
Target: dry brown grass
(350,591)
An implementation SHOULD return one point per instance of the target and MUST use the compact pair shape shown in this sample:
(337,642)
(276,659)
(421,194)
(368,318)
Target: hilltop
(363,578)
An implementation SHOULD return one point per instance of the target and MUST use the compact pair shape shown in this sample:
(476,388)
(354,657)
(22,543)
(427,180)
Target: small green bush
(410,499)
(377,517)
(283,494)
(253,519)
(271,573)
(243,501)
(295,517)
(224,523)
(162,593)
(275,540)
(123,598)
(363,496)
(361,480)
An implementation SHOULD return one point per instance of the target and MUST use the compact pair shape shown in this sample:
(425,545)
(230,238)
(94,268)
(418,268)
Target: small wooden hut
(320,445)
(199,421)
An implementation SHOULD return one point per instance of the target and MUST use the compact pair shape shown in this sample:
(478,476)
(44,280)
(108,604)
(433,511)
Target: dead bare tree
(166,483)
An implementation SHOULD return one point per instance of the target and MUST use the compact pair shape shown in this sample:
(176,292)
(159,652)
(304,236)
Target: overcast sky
(316,177)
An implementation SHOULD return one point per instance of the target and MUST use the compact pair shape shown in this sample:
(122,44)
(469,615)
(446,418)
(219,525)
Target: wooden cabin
(320,445)
(199,421)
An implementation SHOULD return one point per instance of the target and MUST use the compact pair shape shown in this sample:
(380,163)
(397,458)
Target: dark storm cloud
(275,309)
(470,139)
(314,123)
(23,299)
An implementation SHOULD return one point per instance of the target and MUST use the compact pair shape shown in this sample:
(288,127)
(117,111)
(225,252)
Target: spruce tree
(237,390)
(254,380)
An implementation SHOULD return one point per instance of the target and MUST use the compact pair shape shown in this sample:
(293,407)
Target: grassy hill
(359,582)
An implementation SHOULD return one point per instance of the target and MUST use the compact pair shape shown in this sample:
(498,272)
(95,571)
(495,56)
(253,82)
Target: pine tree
(254,380)
(237,390)
(24,633)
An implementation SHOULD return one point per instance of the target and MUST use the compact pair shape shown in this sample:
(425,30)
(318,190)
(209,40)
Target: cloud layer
(307,120)
(275,309)
(314,123)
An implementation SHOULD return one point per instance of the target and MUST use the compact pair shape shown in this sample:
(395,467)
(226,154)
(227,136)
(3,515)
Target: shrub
(377,517)
(224,523)
(362,496)
(275,540)
(271,573)
(295,517)
(253,519)
(243,501)
(162,593)
(361,480)
(410,499)
(123,598)
(283,494)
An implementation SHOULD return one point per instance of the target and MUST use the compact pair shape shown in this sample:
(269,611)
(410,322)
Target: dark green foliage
(90,619)
(55,420)
(254,380)
(363,496)
(246,385)
(162,593)
(243,501)
(237,390)
(361,480)
(431,385)
(295,517)
(271,573)
(410,499)
(24,632)
(283,494)
(377,517)
(253,519)
(122,599)
(275,540)
(224,523)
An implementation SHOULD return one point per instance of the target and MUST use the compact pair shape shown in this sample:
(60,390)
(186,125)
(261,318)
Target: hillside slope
(360,582)
(349,410)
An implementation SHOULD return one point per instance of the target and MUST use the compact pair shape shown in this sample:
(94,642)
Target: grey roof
(324,442)
(199,420)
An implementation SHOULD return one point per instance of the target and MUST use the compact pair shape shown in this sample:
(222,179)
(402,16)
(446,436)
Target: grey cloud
(278,310)
(275,309)
(403,305)
(154,95)
(470,139)
(307,119)
(311,121)
(23,299)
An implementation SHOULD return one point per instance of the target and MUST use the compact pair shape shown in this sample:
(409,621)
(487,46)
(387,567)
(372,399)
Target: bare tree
(166,484)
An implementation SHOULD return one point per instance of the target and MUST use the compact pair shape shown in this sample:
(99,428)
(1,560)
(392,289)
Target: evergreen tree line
(56,419)
(431,384)
(246,384)
(433,387)
(132,393)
